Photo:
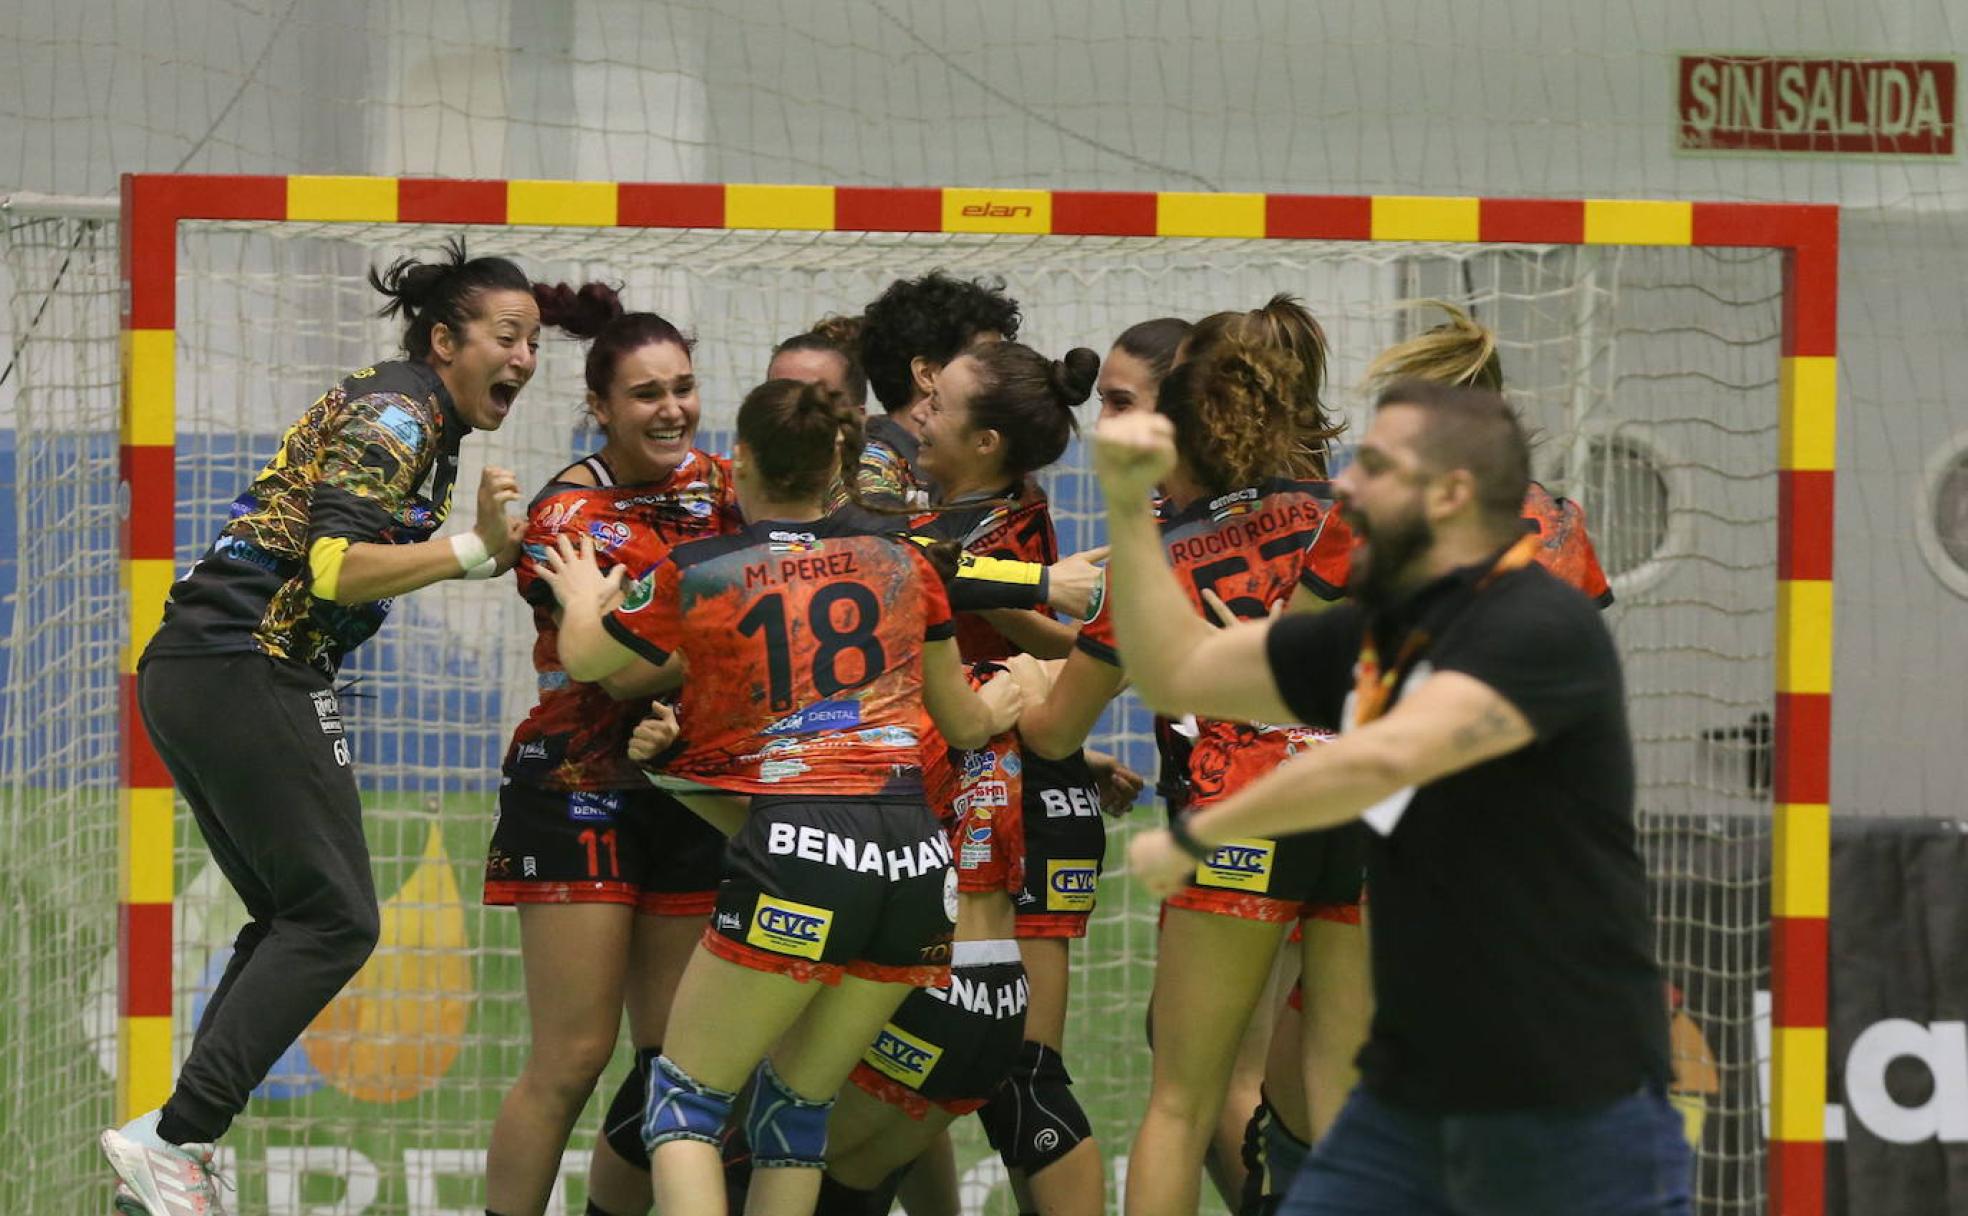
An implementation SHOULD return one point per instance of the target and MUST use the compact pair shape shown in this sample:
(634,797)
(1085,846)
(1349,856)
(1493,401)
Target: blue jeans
(1623,1158)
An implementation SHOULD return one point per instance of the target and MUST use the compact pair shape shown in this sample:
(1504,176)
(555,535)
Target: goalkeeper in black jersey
(236,687)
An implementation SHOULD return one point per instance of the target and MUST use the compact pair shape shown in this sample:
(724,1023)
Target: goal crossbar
(153,206)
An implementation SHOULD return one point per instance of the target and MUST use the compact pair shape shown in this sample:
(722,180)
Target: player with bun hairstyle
(620,875)
(1248,535)
(237,686)
(909,333)
(997,414)
(815,647)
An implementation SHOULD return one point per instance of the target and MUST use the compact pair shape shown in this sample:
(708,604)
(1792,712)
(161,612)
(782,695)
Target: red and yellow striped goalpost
(155,204)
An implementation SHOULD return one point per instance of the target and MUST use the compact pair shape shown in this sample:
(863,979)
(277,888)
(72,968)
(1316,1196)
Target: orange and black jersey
(805,648)
(373,460)
(1014,524)
(978,795)
(1565,548)
(576,737)
(1253,547)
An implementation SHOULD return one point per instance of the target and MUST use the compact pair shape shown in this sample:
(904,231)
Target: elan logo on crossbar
(996,211)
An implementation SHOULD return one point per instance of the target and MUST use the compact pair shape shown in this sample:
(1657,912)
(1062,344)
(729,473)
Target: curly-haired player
(1241,526)
(908,334)
(1463,352)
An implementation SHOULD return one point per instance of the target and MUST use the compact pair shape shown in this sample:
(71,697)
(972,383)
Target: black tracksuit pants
(257,746)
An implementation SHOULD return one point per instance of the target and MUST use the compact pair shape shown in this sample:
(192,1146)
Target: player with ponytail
(1459,351)
(815,647)
(1249,534)
(618,876)
(237,685)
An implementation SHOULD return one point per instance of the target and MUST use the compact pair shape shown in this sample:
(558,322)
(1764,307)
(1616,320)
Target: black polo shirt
(1511,945)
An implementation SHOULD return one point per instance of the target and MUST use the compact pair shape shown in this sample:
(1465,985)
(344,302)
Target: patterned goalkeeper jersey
(373,460)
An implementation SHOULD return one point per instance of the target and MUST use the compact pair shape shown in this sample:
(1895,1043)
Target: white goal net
(1651,374)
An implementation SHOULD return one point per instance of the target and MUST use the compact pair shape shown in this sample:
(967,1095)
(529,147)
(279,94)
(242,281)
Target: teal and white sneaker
(165,1179)
(127,1203)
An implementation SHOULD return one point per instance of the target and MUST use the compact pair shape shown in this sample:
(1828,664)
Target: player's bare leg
(814,1060)
(720,1053)
(659,949)
(1074,1185)
(930,1186)
(868,1139)
(575,959)
(1338,1012)
(1210,972)
(1225,1157)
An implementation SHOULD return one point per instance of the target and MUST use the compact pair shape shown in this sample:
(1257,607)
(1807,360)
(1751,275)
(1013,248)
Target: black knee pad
(839,1199)
(1034,1120)
(622,1127)
(1272,1157)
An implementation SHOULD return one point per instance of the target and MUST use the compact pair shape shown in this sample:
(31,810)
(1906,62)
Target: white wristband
(484,569)
(471,554)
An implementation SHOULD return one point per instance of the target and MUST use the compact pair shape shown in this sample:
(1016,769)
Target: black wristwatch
(1179,832)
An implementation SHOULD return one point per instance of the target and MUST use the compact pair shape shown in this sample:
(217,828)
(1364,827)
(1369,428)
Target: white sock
(143,1130)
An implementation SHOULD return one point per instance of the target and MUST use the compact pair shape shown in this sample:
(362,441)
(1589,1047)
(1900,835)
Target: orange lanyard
(1372,687)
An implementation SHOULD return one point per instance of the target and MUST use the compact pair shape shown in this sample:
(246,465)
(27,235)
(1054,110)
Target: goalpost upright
(154,206)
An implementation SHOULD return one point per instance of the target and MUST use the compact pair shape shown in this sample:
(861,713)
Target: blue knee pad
(682,1108)
(785,1129)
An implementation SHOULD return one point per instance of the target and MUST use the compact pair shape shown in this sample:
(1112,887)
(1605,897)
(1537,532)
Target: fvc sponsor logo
(1070,885)
(903,1057)
(785,927)
(1240,865)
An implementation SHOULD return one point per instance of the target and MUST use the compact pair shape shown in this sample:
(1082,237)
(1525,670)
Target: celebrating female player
(619,876)
(999,413)
(1131,379)
(1245,531)
(814,649)
(1131,376)
(236,686)
(1459,351)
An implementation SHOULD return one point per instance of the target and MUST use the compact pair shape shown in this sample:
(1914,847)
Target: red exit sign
(1769,103)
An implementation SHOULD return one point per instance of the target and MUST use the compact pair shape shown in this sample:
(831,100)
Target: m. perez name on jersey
(815,565)
(809,843)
